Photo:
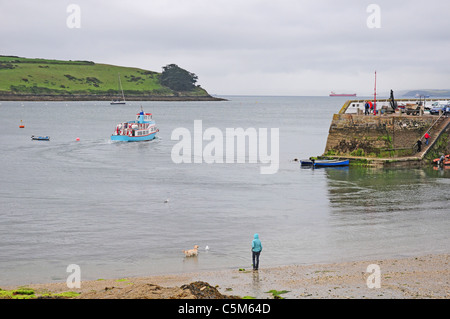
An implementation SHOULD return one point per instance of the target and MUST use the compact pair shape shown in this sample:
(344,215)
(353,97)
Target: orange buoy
(21,124)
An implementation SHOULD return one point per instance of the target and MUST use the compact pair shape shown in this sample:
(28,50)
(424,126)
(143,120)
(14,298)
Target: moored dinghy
(40,138)
(443,160)
(325,163)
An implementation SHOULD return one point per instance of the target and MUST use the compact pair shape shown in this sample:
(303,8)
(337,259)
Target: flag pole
(375,96)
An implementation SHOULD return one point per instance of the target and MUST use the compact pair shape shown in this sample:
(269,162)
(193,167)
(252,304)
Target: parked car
(442,107)
(439,103)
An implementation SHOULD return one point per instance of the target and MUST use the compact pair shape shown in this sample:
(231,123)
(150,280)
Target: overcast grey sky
(253,47)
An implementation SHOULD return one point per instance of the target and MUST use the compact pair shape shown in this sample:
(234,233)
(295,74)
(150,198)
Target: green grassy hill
(38,79)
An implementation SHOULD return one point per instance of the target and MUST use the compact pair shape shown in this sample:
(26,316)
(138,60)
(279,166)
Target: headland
(35,79)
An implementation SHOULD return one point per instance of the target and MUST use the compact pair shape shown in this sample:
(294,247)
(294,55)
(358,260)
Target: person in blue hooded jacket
(256,251)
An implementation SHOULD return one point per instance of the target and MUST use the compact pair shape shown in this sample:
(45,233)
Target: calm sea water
(125,209)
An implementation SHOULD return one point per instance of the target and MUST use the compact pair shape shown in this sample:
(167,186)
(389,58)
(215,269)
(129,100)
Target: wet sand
(422,277)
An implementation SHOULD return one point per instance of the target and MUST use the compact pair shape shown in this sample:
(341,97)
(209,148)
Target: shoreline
(74,98)
(420,277)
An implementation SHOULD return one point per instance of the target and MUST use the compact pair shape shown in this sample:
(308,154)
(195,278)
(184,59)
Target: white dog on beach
(191,252)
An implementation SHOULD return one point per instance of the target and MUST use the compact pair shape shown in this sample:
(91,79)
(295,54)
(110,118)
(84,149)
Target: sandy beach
(422,277)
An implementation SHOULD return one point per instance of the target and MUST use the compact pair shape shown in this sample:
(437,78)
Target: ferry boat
(342,94)
(142,129)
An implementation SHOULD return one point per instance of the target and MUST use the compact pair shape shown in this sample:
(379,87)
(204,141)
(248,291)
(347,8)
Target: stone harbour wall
(361,135)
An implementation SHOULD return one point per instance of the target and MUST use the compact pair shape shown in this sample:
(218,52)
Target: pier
(391,137)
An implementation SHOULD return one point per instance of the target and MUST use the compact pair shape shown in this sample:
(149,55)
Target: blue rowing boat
(325,163)
(40,138)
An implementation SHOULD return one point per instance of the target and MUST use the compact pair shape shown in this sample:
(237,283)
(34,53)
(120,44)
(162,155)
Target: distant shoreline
(56,98)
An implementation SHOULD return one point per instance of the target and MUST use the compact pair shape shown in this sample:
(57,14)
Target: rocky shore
(421,277)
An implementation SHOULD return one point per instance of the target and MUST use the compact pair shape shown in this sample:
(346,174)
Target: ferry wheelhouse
(142,129)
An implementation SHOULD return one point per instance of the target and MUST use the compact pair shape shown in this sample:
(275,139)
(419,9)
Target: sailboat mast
(120,85)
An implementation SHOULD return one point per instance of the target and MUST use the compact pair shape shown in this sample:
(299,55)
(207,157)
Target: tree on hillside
(177,78)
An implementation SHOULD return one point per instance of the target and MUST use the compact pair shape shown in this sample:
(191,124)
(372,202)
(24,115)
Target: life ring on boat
(130,133)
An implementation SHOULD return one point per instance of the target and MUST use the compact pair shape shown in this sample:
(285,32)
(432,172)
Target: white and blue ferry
(142,129)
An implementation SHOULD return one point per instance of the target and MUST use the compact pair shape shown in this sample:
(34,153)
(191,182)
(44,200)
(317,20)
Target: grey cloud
(251,39)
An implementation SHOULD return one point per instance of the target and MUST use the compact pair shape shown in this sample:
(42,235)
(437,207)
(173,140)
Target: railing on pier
(386,102)
(415,146)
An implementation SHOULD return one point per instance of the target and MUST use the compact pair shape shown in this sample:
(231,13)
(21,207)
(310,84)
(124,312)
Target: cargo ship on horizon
(342,94)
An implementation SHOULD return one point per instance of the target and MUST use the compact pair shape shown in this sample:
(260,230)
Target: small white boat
(117,102)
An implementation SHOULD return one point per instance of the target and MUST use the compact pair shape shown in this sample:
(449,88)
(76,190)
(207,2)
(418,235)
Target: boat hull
(325,163)
(126,138)
(40,138)
(446,160)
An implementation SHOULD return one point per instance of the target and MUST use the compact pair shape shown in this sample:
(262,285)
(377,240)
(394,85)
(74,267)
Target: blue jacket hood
(256,244)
